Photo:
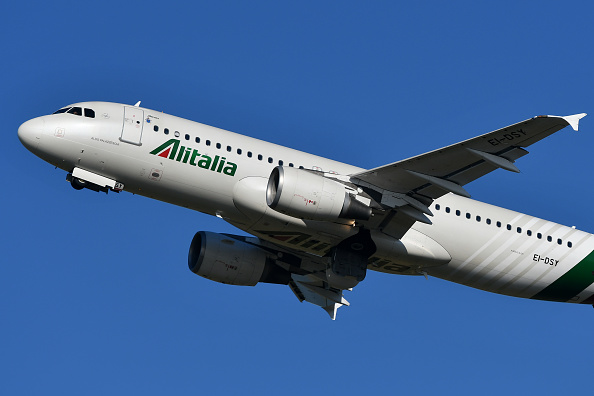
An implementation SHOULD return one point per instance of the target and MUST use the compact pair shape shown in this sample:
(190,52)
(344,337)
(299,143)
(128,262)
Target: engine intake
(306,195)
(229,260)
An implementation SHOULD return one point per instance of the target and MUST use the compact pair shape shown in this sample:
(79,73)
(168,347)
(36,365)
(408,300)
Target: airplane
(318,225)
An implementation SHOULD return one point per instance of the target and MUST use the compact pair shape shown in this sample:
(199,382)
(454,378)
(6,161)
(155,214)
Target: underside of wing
(406,188)
(314,290)
(445,170)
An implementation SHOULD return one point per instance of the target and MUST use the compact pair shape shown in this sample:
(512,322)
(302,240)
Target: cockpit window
(75,111)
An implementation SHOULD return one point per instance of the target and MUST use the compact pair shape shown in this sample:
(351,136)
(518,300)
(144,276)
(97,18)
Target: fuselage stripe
(571,283)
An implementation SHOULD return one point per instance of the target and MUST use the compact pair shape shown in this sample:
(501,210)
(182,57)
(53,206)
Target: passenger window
(187,137)
(291,164)
(229,148)
(270,160)
(76,111)
(89,113)
(166,131)
(488,221)
(239,151)
(218,145)
(280,162)
(509,227)
(499,224)
(156,128)
(249,154)
(569,244)
(529,233)
(437,206)
(478,218)
(550,238)
(468,215)
(301,167)
(519,230)
(447,209)
(559,242)
(197,140)
(457,213)
(260,157)
(208,142)
(539,235)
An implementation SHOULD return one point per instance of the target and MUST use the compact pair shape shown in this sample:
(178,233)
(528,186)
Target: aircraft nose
(30,133)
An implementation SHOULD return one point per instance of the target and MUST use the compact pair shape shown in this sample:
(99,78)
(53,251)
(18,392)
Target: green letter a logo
(167,149)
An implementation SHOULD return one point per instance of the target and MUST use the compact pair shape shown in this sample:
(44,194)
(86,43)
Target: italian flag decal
(570,284)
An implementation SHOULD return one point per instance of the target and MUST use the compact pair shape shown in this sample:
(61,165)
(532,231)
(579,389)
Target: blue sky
(95,294)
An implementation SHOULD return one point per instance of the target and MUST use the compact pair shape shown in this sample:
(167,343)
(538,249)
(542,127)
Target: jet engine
(228,259)
(307,195)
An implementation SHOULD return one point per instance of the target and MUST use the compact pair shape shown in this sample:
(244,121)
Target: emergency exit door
(132,128)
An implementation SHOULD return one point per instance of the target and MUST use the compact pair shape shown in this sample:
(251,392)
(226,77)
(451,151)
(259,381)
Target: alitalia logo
(172,150)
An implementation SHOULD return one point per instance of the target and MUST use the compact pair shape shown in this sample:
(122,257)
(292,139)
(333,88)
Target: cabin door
(133,123)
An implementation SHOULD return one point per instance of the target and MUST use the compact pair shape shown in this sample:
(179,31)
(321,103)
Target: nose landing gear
(80,179)
(77,184)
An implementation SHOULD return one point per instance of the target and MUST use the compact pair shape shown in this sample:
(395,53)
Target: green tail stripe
(570,284)
(589,300)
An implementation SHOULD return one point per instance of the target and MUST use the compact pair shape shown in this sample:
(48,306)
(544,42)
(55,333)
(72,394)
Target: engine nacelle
(306,195)
(229,260)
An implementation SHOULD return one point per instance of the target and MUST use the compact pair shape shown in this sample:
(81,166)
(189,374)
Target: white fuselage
(469,242)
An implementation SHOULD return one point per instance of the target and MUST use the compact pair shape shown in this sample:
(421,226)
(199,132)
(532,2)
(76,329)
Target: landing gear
(78,184)
(349,260)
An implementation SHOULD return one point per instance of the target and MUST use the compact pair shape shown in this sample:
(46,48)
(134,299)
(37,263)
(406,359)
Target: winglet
(574,120)
(137,103)
(331,309)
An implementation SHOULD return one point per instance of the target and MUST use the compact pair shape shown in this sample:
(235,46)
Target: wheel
(78,184)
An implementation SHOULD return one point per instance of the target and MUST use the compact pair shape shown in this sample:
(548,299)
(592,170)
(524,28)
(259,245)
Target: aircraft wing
(405,189)
(436,173)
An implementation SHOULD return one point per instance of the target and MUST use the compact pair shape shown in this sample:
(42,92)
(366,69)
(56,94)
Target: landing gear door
(133,123)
